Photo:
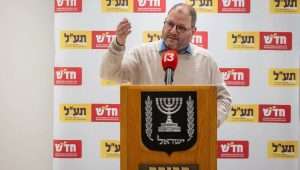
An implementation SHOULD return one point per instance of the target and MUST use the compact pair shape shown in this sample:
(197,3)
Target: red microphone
(169,62)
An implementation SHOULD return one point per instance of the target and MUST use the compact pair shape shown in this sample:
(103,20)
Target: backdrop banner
(256,43)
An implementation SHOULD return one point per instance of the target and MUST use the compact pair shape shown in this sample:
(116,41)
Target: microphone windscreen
(169,59)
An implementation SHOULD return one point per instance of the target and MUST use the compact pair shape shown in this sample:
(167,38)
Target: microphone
(169,62)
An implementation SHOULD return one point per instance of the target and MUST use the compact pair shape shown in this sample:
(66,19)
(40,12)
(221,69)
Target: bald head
(185,9)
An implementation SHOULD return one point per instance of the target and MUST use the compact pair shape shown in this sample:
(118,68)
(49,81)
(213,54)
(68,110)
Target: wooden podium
(139,129)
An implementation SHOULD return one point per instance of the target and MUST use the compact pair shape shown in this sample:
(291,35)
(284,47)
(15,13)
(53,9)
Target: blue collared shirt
(186,50)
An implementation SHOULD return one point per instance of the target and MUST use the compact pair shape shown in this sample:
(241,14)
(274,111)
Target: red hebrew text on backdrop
(67,148)
(105,112)
(233,149)
(149,6)
(68,5)
(67,76)
(274,113)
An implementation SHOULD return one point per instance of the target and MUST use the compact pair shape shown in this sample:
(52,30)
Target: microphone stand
(169,74)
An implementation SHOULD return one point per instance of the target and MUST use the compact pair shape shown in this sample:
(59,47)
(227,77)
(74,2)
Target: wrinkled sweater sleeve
(223,103)
(117,65)
(223,96)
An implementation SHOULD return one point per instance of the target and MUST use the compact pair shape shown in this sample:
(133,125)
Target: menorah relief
(169,106)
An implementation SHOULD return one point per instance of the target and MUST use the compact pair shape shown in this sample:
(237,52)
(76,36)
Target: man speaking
(143,64)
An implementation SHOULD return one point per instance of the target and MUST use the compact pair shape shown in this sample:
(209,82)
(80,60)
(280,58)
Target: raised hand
(123,30)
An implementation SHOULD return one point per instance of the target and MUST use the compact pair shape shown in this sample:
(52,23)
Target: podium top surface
(167,87)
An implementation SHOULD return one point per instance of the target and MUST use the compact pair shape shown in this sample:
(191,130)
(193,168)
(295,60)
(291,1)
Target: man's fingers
(128,32)
(124,21)
(123,26)
(123,29)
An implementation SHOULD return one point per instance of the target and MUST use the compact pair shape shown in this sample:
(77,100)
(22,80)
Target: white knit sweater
(142,65)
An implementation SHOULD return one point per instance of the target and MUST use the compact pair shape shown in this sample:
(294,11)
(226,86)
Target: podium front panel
(161,129)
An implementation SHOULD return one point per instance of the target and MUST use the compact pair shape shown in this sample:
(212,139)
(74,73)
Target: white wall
(27,57)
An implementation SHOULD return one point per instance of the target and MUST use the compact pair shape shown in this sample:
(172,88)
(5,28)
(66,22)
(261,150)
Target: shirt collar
(163,47)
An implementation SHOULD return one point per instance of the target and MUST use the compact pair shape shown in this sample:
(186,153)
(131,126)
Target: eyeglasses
(179,28)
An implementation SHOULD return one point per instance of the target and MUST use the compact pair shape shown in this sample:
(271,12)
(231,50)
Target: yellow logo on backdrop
(151,36)
(243,113)
(110,149)
(283,149)
(108,82)
(117,5)
(288,77)
(76,39)
(204,5)
(243,40)
(285,6)
(75,112)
